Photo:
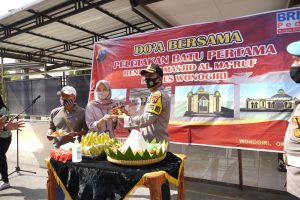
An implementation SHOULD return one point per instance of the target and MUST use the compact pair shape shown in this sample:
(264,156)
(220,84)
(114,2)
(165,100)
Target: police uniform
(292,135)
(292,153)
(153,123)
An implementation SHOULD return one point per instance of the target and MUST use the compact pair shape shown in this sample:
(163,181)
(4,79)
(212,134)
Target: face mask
(66,102)
(295,74)
(151,82)
(101,95)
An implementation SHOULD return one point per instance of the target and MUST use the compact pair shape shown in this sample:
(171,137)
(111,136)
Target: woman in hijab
(98,111)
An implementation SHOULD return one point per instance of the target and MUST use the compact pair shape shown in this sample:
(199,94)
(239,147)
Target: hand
(49,132)
(119,110)
(14,125)
(2,122)
(71,134)
(49,138)
(121,117)
(107,117)
(122,110)
(103,119)
(125,111)
(114,118)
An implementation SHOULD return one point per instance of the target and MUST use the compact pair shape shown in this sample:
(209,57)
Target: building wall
(195,105)
(211,104)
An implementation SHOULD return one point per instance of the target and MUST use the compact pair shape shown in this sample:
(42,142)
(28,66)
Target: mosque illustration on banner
(279,102)
(203,104)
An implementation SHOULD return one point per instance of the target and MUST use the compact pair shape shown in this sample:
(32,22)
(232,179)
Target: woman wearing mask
(98,111)
(5,140)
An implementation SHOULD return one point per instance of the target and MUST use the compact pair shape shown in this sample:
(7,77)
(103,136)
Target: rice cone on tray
(135,141)
(136,151)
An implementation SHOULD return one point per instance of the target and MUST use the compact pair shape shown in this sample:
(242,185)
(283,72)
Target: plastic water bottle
(76,151)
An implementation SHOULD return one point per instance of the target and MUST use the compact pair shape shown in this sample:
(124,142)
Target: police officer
(153,122)
(292,135)
(294,50)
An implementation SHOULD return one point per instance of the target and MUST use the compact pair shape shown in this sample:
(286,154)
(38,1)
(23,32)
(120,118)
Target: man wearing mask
(292,135)
(68,120)
(98,111)
(294,50)
(153,123)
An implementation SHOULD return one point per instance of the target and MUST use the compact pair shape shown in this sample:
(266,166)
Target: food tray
(55,135)
(136,162)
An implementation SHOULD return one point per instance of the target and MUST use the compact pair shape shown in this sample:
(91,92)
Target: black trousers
(4,145)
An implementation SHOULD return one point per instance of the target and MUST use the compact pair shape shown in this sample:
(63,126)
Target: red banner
(228,81)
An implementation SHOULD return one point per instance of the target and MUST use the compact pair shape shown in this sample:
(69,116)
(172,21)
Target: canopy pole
(240,169)
(2,80)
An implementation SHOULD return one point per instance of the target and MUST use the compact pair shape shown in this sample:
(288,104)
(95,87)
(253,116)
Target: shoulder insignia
(296,120)
(155,103)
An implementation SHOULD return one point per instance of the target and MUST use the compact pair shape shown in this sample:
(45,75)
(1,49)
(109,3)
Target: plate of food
(58,133)
(120,110)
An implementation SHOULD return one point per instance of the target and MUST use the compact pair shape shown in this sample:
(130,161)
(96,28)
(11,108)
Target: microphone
(36,99)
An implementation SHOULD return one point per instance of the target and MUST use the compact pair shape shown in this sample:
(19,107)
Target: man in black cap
(153,123)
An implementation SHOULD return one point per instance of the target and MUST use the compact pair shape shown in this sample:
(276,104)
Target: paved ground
(33,187)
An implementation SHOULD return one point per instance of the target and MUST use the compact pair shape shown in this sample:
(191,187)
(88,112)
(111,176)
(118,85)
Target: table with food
(113,168)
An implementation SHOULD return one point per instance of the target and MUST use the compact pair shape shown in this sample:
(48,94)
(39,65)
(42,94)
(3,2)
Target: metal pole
(240,169)
(64,80)
(2,80)
(18,167)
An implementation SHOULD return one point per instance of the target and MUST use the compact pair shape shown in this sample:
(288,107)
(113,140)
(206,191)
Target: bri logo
(288,21)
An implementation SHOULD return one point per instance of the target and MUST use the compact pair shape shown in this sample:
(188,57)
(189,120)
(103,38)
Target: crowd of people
(72,120)
(98,115)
